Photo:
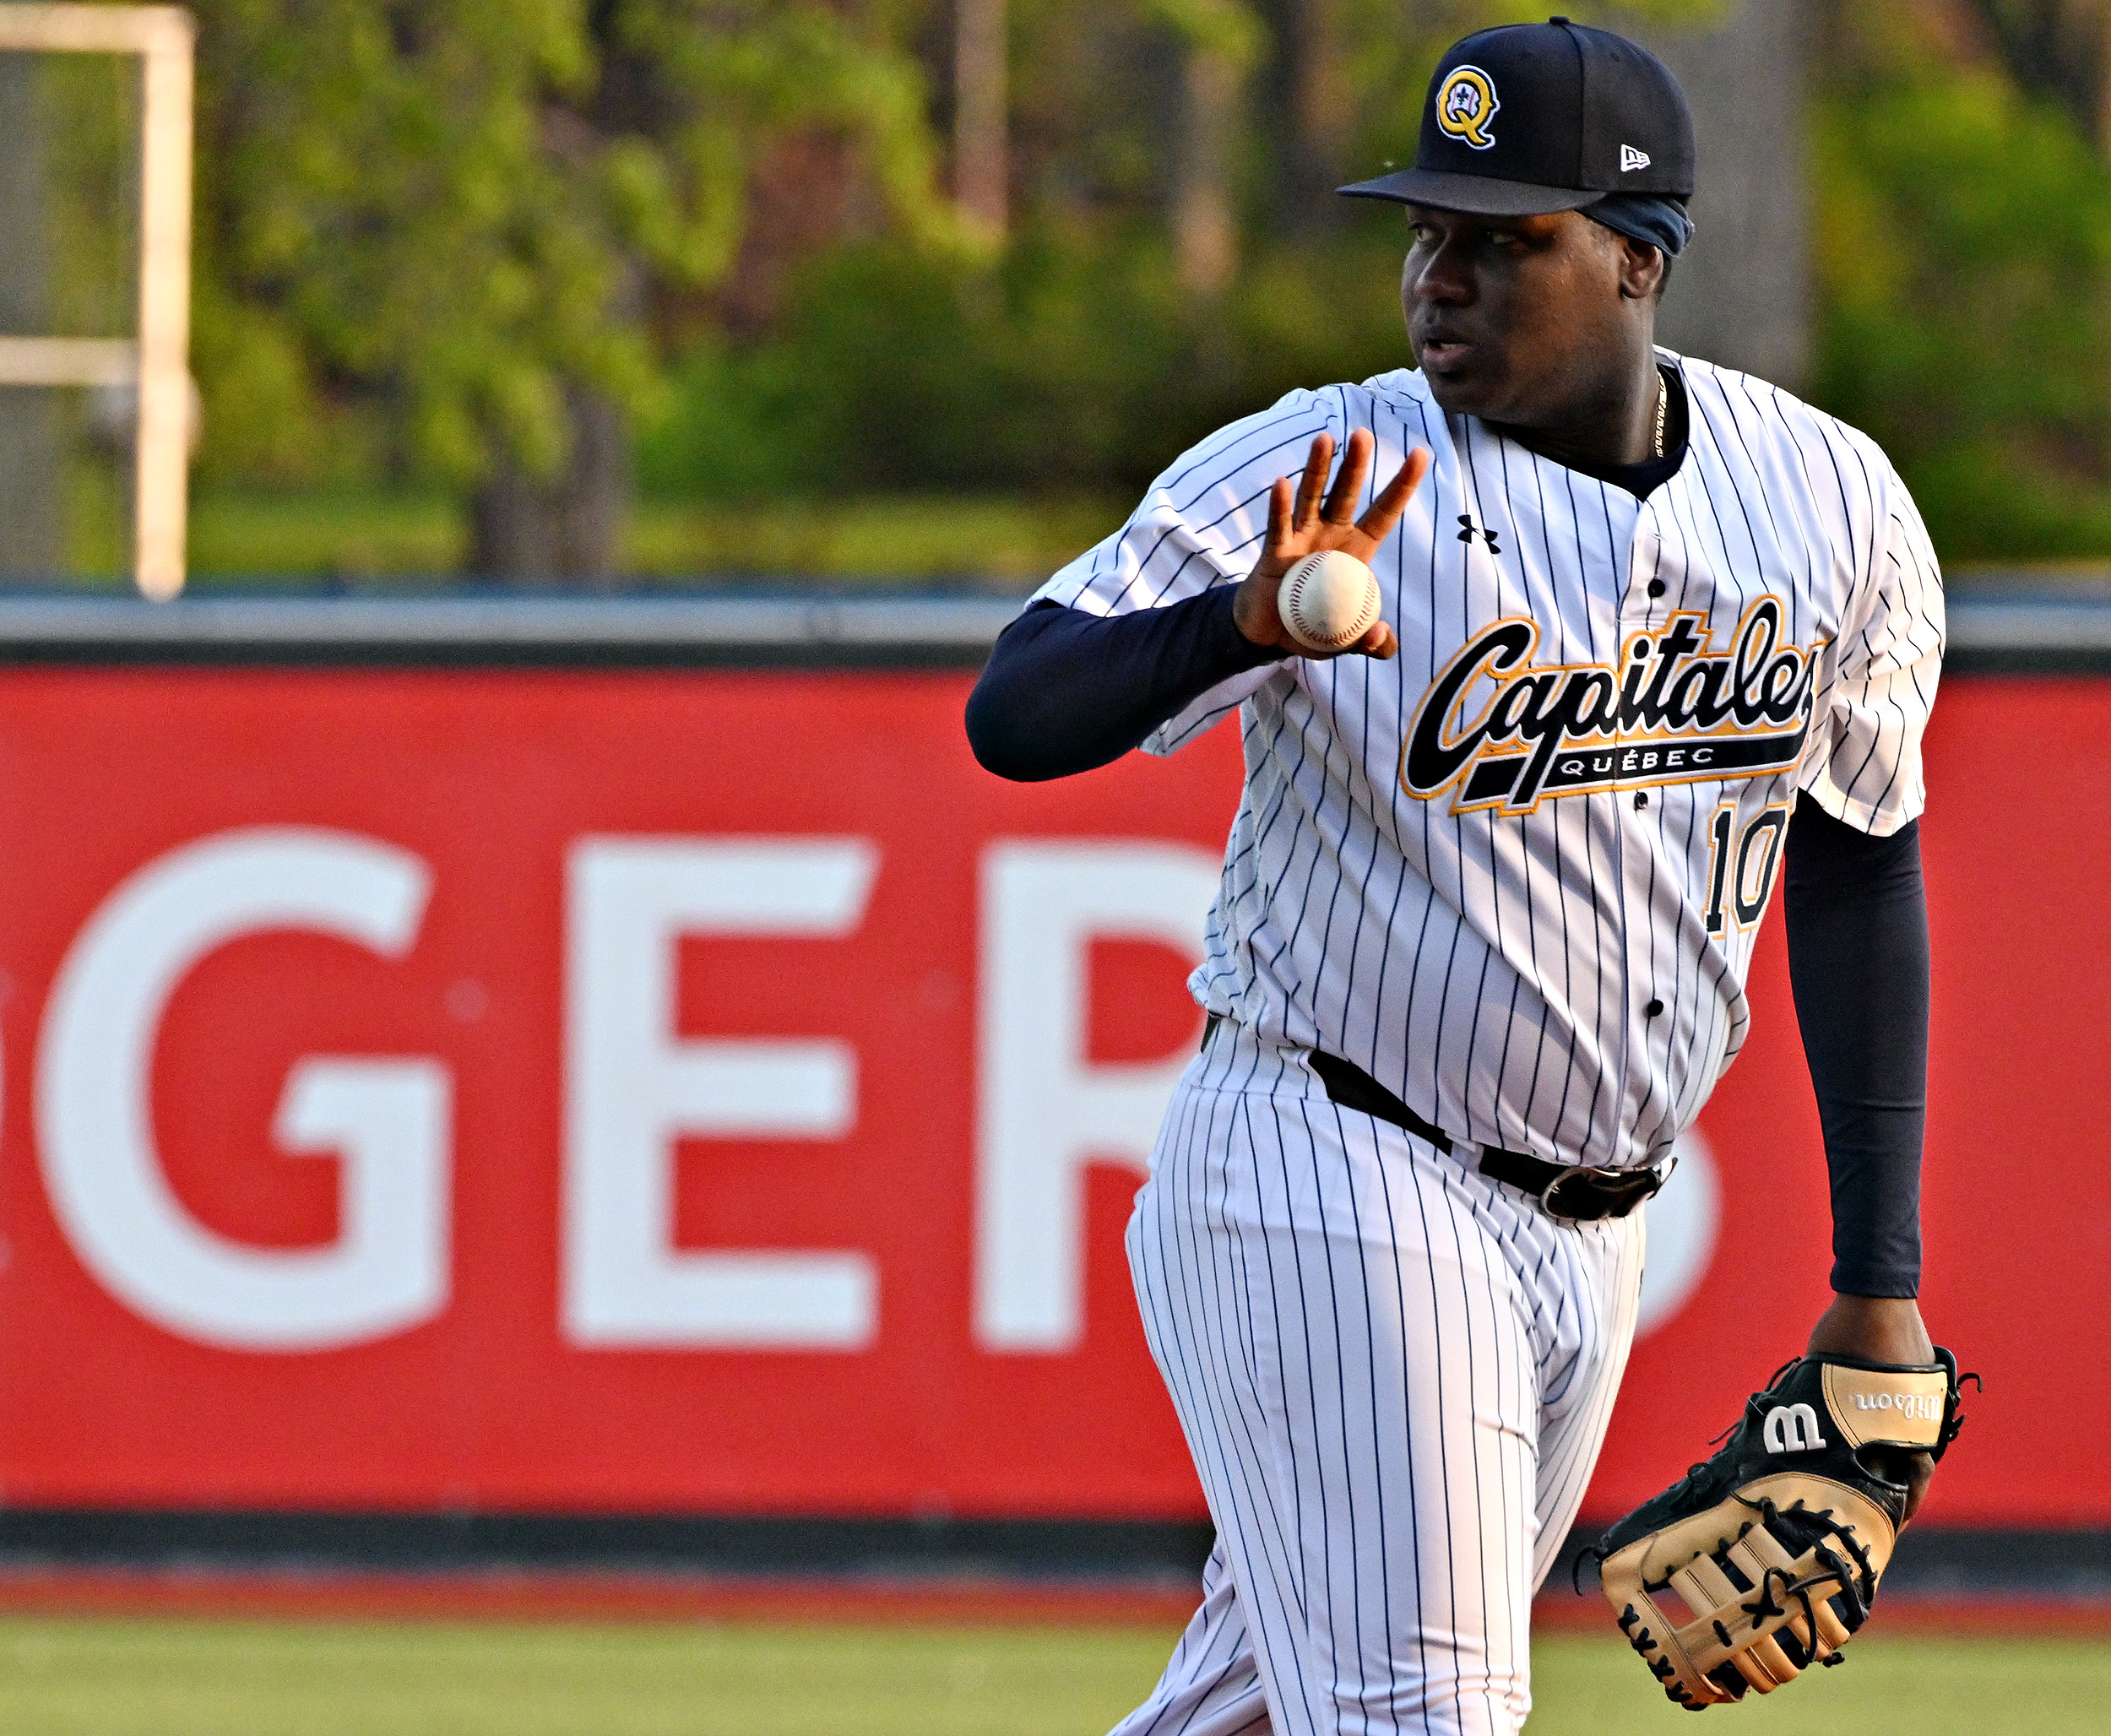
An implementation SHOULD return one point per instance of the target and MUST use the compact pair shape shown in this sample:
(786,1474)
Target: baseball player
(1653,636)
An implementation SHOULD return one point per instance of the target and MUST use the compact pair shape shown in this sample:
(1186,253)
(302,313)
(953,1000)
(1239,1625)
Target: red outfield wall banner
(643,1091)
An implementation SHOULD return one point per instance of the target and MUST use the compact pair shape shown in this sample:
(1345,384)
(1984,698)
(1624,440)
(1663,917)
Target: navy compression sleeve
(1066,691)
(1857,959)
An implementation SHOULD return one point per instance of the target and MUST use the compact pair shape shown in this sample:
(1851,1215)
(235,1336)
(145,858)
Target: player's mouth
(1443,352)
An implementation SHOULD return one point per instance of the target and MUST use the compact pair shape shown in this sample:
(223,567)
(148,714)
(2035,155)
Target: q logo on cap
(1466,105)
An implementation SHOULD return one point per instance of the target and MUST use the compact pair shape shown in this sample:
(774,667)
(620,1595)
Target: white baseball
(1329,600)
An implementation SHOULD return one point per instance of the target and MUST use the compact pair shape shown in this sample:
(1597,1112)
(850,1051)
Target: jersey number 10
(1745,874)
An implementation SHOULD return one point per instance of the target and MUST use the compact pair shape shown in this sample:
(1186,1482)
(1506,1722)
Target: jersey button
(1653,1009)
(1641,798)
(1656,587)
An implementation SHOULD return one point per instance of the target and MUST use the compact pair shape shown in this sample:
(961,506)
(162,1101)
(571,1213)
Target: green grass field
(188,1678)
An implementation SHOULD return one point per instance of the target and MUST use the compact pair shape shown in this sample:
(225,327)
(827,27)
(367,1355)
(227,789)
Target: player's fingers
(1340,504)
(1280,527)
(1920,1475)
(1314,484)
(1393,501)
(1381,642)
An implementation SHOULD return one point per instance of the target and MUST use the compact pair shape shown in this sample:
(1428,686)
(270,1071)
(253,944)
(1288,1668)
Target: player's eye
(1424,234)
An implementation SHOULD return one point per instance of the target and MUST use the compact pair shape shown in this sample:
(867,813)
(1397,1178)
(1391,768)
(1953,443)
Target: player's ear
(1643,269)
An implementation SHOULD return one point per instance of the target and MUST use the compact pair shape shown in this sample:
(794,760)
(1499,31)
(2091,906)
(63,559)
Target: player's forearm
(1857,958)
(1066,691)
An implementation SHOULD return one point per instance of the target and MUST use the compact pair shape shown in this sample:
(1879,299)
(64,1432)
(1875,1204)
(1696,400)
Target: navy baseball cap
(1531,118)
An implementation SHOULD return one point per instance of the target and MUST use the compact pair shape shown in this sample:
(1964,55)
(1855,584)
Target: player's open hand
(1316,518)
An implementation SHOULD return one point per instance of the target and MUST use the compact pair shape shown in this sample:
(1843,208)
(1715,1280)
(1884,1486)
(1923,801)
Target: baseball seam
(1300,576)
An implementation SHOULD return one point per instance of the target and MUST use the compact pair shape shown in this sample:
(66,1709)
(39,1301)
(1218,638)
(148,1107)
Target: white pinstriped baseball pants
(1394,1376)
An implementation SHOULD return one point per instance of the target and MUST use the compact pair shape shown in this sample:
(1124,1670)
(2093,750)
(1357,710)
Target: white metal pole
(165,37)
(161,499)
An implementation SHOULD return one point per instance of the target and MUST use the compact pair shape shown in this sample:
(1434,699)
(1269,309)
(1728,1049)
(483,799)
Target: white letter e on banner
(634,1088)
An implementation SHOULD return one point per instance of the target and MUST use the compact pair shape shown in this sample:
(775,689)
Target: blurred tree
(982,156)
(475,242)
(1741,295)
(2054,49)
(1314,44)
(469,214)
(1964,254)
(1219,40)
(1154,284)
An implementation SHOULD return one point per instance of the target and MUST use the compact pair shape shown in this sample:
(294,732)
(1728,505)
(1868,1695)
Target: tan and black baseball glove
(1765,1559)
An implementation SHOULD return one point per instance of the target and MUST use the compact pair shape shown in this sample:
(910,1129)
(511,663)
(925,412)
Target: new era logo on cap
(1632,160)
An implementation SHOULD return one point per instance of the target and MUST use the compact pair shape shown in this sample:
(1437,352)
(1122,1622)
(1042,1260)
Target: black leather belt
(1584,1196)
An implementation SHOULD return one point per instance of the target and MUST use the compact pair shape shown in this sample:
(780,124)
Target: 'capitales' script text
(1673,710)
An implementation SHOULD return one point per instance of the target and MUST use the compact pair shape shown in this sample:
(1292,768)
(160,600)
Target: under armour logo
(1468,530)
(1793,1428)
(1632,160)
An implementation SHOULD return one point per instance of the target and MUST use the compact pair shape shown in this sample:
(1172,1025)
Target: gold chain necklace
(1663,397)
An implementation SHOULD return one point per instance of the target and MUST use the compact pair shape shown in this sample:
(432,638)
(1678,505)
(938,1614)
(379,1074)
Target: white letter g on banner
(387,1120)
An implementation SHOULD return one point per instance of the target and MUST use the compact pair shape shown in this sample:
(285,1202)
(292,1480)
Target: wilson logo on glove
(1906,1404)
(1793,1428)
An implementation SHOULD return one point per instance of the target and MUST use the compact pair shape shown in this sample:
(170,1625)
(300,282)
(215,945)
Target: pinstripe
(1449,1373)
(1393,1376)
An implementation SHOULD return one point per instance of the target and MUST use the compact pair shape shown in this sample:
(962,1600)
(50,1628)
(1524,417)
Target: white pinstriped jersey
(1517,873)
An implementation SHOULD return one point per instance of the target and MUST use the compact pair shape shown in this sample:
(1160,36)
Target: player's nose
(1441,275)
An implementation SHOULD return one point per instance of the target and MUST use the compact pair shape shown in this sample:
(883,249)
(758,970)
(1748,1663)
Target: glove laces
(1853,1584)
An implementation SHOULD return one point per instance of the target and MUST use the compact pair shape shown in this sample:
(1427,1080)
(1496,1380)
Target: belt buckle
(1621,1195)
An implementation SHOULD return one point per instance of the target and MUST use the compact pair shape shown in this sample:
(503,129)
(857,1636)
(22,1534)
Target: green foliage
(422,226)
(1075,360)
(896,370)
(1068,364)
(441,216)
(1964,245)
(90,111)
(1230,27)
